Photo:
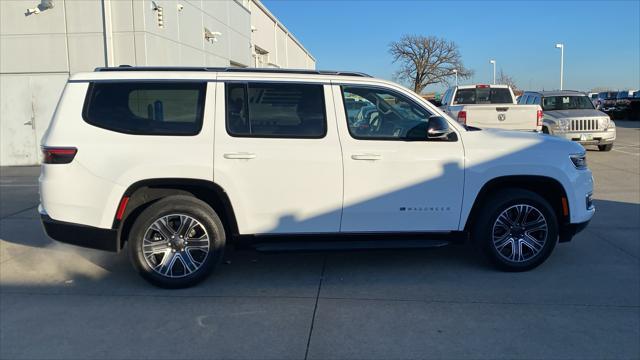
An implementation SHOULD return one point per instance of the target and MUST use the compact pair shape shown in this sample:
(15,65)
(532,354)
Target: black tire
(545,130)
(169,206)
(483,229)
(606,147)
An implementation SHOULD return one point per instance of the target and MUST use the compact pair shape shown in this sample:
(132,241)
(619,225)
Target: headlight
(579,160)
(606,123)
(563,124)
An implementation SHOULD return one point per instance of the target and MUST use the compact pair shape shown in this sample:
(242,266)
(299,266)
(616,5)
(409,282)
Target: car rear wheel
(516,230)
(606,147)
(176,242)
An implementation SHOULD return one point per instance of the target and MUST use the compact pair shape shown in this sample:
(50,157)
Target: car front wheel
(606,147)
(176,242)
(516,230)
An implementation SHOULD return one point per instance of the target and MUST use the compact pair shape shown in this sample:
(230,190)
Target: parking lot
(60,301)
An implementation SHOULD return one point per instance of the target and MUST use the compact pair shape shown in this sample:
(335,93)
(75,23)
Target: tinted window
(276,110)
(523,99)
(550,103)
(483,96)
(146,108)
(530,99)
(385,115)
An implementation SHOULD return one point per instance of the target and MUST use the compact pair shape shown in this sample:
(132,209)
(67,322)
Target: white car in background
(490,106)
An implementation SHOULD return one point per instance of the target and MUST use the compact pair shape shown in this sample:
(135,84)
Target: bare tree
(505,79)
(427,60)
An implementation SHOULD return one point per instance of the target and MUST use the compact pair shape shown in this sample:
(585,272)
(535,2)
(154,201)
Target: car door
(277,155)
(395,180)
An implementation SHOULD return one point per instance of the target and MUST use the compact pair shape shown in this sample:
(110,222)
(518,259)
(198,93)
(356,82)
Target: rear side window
(146,108)
(276,110)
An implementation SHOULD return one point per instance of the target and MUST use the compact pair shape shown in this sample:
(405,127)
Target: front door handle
(240,155)
(366,157)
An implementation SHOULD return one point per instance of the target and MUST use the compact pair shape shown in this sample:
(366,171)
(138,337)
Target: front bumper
(589,138)
(80,235)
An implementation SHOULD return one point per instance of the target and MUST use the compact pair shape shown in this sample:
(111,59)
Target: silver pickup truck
(490,106)
(571,115)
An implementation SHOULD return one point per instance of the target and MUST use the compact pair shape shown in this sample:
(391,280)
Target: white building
(42,42)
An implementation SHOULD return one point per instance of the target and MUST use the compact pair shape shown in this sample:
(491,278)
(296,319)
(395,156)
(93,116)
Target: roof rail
(231,69)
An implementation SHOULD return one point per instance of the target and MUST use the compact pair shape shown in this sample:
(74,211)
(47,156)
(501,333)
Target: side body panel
(406,185)
(280,185)
(87,191)
(492,154)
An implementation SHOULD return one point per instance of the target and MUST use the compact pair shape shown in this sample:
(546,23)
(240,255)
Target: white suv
(177,163)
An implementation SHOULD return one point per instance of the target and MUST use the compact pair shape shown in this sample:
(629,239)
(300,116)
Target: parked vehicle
(179,163)
(623,102)
(594,98)
(602,96)
(608,101)
(571,115)
(490,106)
(634,107)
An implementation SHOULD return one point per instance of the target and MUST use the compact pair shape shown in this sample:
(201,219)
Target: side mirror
(438,129)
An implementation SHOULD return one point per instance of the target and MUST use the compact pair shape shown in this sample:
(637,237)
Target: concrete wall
(39,51)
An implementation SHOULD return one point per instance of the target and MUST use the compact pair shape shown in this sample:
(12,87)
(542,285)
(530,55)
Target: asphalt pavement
(60,301)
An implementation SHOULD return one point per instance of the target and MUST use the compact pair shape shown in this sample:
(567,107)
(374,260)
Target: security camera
(44,5)
(180,7)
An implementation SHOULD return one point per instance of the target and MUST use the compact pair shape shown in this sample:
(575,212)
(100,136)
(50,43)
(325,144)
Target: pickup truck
(490,106)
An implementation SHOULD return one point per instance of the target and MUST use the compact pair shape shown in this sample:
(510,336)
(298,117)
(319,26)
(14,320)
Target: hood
(578,113)
(494,139)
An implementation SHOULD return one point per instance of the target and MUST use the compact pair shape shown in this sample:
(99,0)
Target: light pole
(561,47)
(494,70)
(455,72)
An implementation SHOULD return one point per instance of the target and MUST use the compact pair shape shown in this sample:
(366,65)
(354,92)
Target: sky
(601,38)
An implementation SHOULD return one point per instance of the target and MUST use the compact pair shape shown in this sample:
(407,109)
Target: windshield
(483,96)
(550,103)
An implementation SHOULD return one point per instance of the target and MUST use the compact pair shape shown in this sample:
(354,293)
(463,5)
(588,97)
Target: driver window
(378,114)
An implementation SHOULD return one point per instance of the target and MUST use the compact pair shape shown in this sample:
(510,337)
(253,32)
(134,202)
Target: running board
(348,245)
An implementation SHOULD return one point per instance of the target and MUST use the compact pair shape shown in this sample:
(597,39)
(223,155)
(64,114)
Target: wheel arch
(145,192)
(549,188)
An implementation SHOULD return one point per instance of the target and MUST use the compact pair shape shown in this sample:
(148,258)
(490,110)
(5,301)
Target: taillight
(58,155)
(462,117)
(540,114)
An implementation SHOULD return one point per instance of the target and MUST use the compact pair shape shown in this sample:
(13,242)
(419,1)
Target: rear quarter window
(146,108)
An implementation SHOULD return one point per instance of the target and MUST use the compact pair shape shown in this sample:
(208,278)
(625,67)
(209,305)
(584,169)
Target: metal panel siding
(33,53)
(281,45)
(217,9)
(191,27)
(17,141)
(14,22)
(85,51)
(239,18)
(83,16)
(121,15)
(264,34)
(240,52)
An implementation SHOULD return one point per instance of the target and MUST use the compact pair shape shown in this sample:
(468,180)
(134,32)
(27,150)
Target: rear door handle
(366,157)
(240,155)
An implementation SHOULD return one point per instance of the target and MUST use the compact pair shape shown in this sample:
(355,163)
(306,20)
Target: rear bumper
(568,231)
(80,235)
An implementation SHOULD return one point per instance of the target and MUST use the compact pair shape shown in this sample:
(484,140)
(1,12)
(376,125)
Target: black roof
(232,69)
